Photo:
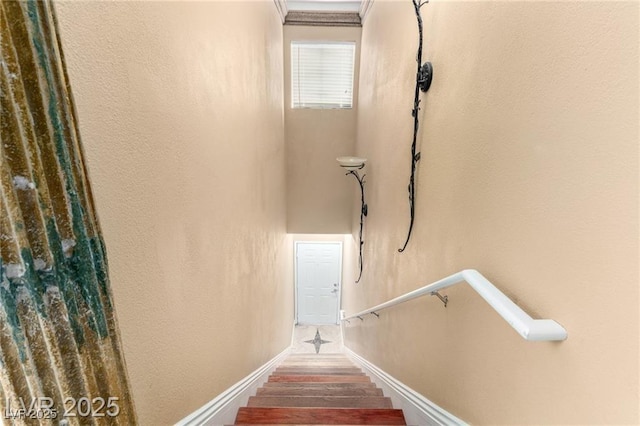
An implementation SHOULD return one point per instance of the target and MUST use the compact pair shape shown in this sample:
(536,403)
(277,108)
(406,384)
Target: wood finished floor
(319,389)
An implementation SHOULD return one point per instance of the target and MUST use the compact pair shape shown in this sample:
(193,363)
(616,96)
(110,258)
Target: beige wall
(181,112)
(319,196)
(529,173)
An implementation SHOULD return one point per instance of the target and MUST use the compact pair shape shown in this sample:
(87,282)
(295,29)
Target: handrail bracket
(444,299)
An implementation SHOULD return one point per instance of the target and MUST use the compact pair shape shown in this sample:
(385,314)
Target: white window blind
(322,74)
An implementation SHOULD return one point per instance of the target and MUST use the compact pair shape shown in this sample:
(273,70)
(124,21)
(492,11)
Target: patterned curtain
(60,352)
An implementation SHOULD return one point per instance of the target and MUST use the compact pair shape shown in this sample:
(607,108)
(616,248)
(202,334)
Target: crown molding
(281,6)
(365,7)
(316,18)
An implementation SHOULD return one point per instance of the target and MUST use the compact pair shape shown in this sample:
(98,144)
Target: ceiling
(324,5)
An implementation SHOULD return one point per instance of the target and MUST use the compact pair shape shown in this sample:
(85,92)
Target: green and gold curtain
(59,340)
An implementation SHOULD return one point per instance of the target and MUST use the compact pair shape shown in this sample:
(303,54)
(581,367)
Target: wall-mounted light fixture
(353,164)
(424,75)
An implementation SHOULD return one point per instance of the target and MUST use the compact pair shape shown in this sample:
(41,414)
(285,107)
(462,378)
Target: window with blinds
(322,74)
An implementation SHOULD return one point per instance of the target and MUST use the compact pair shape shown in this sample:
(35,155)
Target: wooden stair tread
(319,378)
(321,401)
(318,372)
(322,355)
(318,359)
(316,365)
(357,385)
(319,368)
(346,416)
(318,391)
(309,359)
(304,366)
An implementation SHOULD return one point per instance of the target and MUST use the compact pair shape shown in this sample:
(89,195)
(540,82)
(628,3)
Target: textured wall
(180,105)
(319,196)
(529,173)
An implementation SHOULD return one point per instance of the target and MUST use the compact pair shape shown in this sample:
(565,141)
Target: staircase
(316,389)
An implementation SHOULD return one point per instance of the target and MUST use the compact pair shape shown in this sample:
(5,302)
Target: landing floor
(323,339)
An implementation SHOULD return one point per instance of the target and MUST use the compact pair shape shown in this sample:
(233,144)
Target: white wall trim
(417,409)
(223,409)
(281,6)
(324,5)
(365,7)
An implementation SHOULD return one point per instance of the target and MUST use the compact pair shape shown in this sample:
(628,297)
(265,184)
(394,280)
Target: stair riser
(310,389)
(317,361)
(307,391)
(317,373)
(359,385)
(317,365)
(320,379)
(320,401)
(315,416)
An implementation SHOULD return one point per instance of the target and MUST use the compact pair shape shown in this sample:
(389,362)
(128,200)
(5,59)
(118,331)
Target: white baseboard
(417,409)
(223,409)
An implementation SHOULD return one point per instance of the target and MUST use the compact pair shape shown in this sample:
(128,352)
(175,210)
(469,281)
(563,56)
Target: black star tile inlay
(317,341)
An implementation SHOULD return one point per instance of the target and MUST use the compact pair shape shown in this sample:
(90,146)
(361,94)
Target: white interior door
(318,272)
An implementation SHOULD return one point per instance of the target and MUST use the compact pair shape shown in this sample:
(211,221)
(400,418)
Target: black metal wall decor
(353,164)
(363,213)
(424,76)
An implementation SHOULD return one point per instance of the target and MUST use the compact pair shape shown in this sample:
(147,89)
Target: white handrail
(527,327)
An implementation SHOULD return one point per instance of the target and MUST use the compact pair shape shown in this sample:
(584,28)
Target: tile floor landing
(317,339)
